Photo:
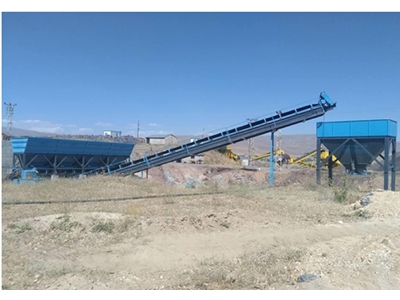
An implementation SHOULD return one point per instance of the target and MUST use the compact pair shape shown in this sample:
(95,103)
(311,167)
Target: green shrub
(224,224)
(20,228)
(104,226)
(363,214)
(63,223)
(341,193)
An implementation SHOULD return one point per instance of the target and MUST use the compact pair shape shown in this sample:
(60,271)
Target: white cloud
(56,129)
(30,121)
(153,125)
(43,126)
(104,124)
(85,129)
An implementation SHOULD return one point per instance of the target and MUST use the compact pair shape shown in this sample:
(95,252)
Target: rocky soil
(238,232)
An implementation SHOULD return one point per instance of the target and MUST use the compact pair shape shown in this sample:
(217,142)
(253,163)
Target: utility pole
(138,130)
(279,140)
(250,143)
(10,113)
(250,150)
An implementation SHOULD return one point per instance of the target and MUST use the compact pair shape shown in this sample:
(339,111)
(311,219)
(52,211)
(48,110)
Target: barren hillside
(294,145)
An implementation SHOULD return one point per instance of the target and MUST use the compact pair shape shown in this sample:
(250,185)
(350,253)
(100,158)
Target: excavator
(229,153)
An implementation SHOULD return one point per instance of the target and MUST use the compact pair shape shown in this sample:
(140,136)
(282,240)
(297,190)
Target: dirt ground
(215,227)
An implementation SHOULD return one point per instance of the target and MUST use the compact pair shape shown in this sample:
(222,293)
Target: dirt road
(345,244)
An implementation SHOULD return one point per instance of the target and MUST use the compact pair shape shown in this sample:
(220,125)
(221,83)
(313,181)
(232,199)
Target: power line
(10,113)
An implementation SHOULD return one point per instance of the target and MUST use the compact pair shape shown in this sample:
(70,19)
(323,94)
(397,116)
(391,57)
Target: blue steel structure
(251,129)
(23,176)
(356,144)
(66,157)
(272,159)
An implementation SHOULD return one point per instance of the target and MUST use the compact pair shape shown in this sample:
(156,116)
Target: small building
(112,133)
(166,139)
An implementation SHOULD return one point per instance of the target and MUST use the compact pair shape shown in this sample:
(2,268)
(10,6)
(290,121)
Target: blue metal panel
(379,128)
(19,145)
(341,129)
(60,156)
(393,128)
(361,128)
(34,145)
(325,97)
(324,129)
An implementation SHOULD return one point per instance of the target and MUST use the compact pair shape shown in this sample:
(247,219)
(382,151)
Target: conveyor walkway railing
(230,136)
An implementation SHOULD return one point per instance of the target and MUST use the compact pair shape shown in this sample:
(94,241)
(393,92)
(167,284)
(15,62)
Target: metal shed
(166,139)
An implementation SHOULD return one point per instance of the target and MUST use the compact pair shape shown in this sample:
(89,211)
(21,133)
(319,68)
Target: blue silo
(358,143)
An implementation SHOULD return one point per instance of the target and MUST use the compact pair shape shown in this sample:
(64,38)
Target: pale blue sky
(182,73)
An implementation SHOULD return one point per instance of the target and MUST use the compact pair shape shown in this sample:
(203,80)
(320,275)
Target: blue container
(36,145)
(65,156)
(362,128)
(356,144)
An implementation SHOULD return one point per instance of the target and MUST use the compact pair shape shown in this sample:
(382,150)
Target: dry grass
(64,192)
(41,242)
(267,268)
(288,201)
(95,187)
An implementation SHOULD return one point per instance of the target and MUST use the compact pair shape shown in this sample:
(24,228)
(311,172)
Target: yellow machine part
(230,154)
(324,155)
(302,158)
(276,152)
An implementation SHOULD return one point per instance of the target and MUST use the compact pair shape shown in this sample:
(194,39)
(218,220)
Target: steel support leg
(55,165)
(393,164)
(386,165)
(330,172)
(318,161)
(271,160)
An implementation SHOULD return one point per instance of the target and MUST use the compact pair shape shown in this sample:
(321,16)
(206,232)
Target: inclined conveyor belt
(230,136)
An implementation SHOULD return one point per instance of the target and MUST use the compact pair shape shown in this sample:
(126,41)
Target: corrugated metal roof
(36,145)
